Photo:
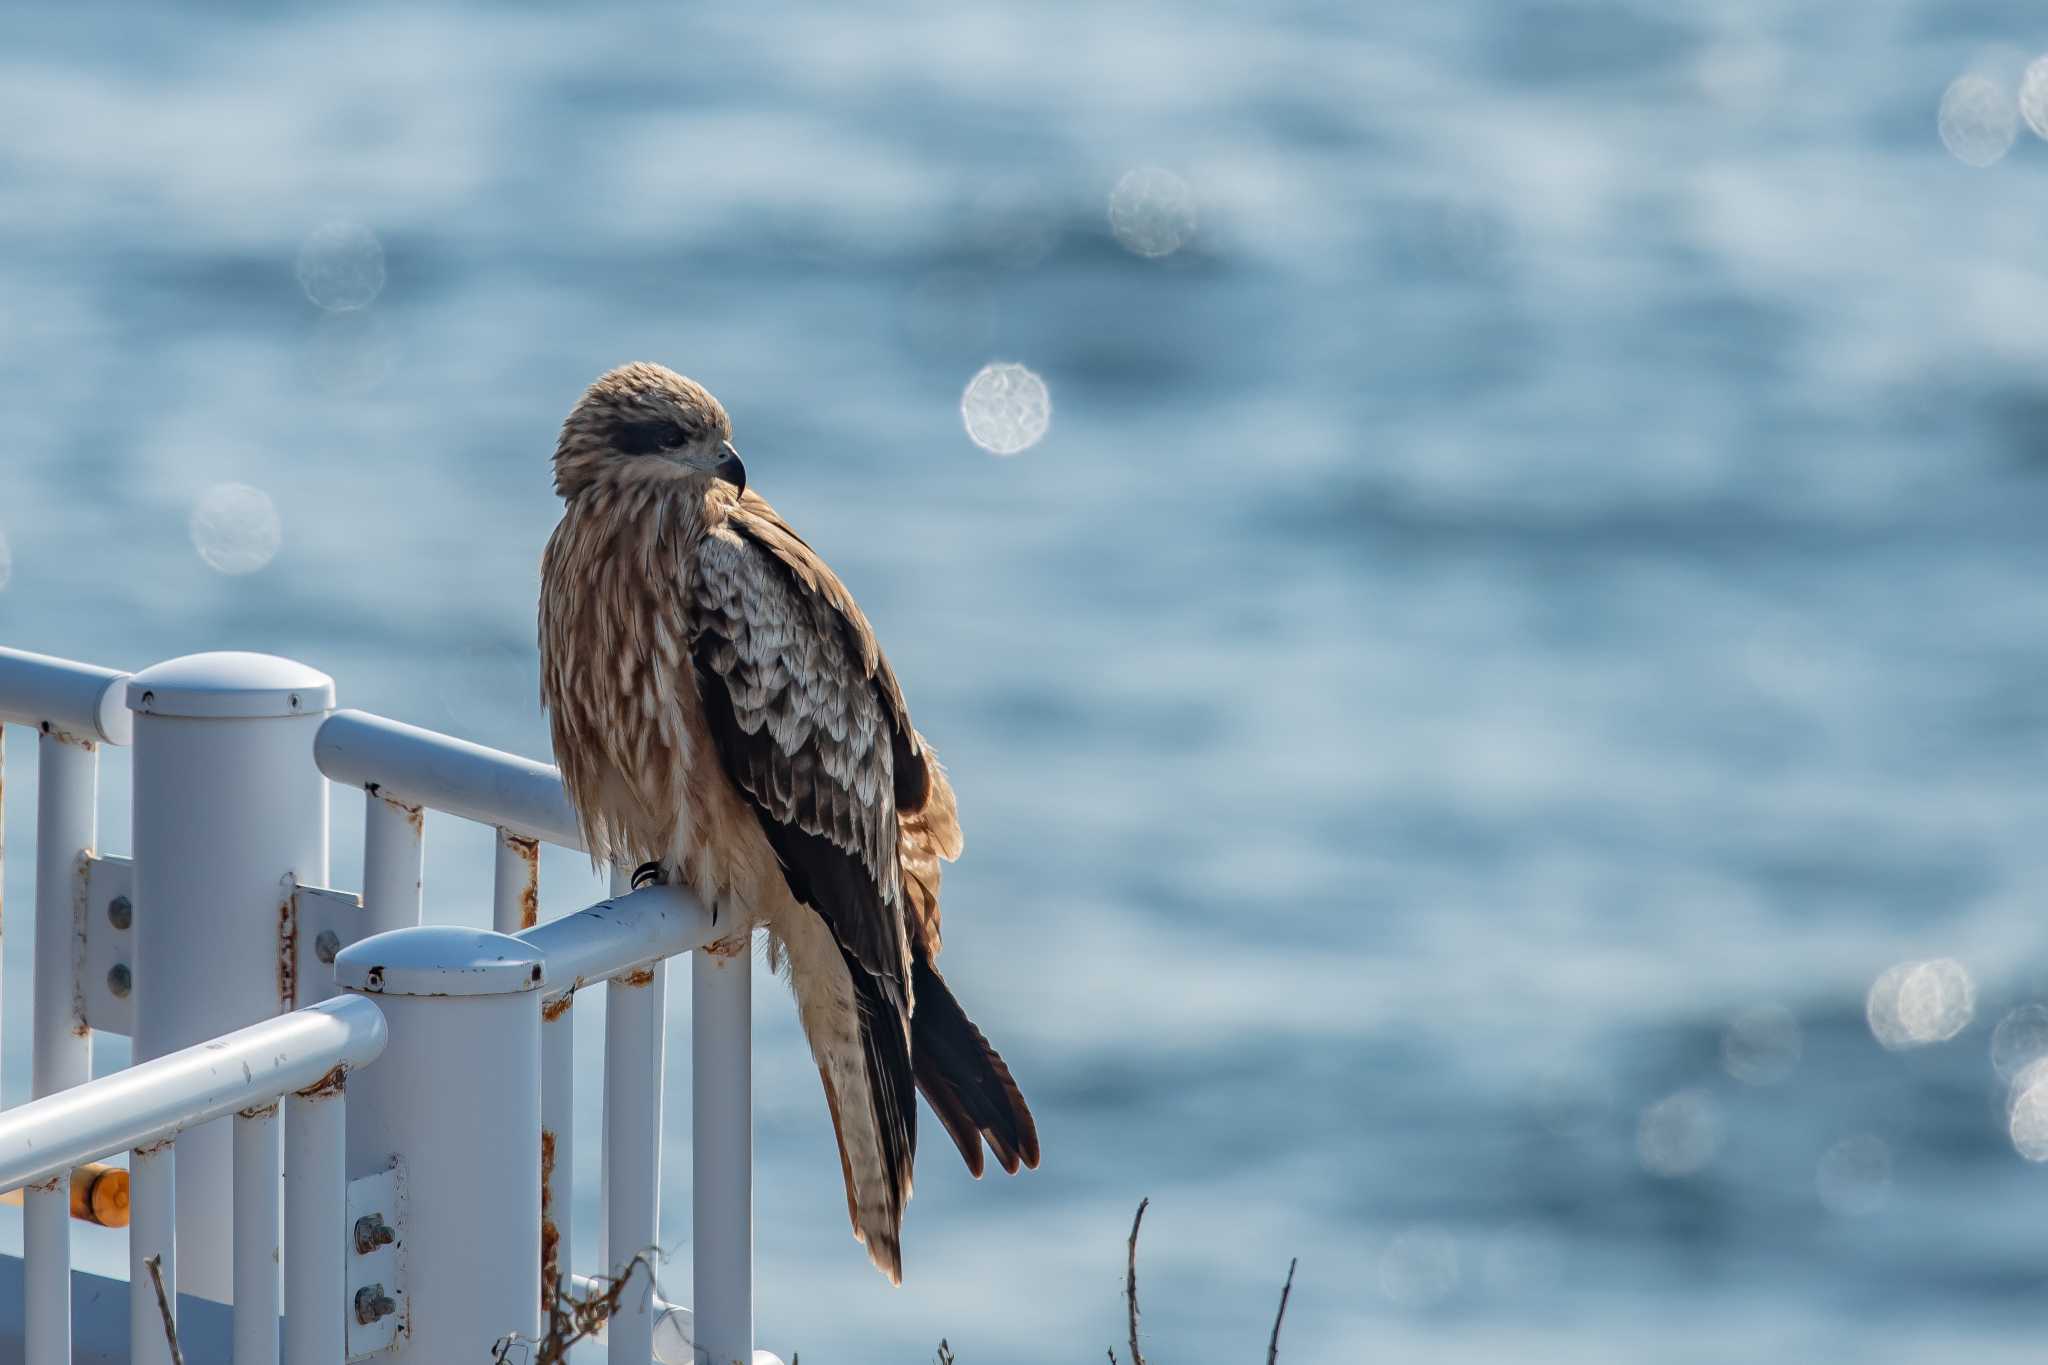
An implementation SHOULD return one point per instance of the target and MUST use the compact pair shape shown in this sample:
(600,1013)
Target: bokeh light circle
(2020,1040)
(1006,409)
(1152,211)
(1978,119)
(1917,1003)
(1419,1267)
(1761,1046)
(2027,1120)
(1680,1134)
(235,528)
(341,266)
(2034,96)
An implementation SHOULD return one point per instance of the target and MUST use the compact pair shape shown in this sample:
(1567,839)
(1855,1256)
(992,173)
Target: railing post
(67,792)
(256,1235)
(455,1098)
(229,810)
(635,1008)
(152,1231)
(316,1226)
(722,1151)
(515,883)
(394,858)
(557,1140)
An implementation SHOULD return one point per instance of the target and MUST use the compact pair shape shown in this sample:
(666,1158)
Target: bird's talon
(647,874)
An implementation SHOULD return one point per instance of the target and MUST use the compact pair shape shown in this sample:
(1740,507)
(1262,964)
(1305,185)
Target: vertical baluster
(633,1015)
(315,1215)
(621,883)
(515,884)
(67,794)
(152,1231)
(557,1140)
(394,853)
(722,1151)
(3,829)
(256,1233)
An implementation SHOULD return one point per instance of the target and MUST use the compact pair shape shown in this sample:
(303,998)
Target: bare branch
(1273,1346)
(572,1319)
(163,1306)
(1131,1281)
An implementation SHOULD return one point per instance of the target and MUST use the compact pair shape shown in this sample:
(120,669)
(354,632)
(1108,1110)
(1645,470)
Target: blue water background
(1555,562)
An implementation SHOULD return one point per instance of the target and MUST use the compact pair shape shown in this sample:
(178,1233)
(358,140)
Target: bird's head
(645,423)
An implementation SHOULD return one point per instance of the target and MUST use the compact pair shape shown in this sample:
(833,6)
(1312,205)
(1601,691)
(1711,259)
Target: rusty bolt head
(372,1303)
(327,945)
(373,1232)
(120,912)
(120,980)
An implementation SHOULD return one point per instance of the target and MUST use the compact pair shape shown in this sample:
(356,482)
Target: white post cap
(439,959)
(230,685)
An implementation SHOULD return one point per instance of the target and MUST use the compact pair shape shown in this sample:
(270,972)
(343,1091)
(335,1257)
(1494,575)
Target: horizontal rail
(80,700)
(619,934)
(157,1099)
(426,768)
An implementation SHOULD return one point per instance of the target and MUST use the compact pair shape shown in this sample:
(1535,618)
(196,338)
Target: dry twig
(572,1319)
(1273,1346)
(163,1306)
(1131,1281)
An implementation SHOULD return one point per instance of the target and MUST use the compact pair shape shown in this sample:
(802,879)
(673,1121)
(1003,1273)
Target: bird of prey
(725,721)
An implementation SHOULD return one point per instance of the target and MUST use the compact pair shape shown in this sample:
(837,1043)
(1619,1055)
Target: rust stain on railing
(728,947)
(288,948)
(416,816)
(81,896)
(529,891)
(639,976)
(333,1083)
(551,1010)
(550,1232)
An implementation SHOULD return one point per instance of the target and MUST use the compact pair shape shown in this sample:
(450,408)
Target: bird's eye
(644,438)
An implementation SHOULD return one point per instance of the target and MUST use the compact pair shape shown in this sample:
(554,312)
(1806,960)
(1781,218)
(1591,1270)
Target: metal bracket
(376,1305)
(105,989)
(316,923)
(313,924)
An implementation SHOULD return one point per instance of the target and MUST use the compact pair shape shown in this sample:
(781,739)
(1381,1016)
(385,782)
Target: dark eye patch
(645,438)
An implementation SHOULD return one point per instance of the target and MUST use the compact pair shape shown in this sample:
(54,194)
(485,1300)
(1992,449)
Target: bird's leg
(654,874)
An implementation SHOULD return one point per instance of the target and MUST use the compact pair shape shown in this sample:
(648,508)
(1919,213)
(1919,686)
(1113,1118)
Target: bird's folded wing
(805,716)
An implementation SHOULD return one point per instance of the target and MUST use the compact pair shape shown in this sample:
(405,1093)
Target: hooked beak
(731,470)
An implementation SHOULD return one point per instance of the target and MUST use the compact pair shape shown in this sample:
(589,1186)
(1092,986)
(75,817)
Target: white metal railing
(300,1060)
(233,921)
